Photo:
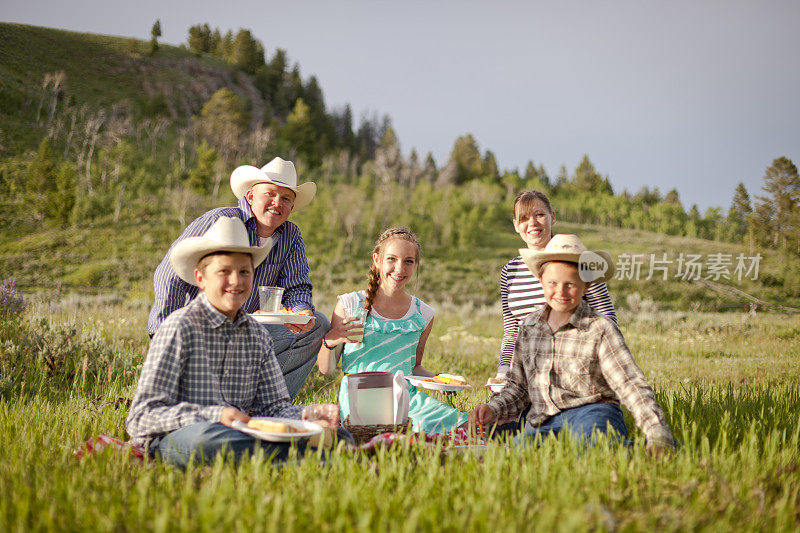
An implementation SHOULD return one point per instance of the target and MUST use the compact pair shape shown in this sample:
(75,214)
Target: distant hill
(103,71)
(106,153)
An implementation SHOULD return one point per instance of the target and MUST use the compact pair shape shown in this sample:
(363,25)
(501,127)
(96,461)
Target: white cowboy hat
(594,266)
(277,171)
(227,234)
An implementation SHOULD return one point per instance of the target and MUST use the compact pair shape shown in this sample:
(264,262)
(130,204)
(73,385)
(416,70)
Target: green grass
(728,384)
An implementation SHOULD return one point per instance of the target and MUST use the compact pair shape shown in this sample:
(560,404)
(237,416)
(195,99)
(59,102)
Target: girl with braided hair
(395,331)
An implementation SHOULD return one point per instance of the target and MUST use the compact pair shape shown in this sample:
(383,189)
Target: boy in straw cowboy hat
(571,364)
(210,363)
(267,196)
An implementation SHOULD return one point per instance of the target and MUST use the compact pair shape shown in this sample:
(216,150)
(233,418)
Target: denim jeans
(297,354)
(203,441)
(581,421)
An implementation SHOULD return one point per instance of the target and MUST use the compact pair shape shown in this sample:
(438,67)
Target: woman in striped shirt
(520,291)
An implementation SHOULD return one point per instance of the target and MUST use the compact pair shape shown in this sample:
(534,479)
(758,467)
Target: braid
(373,276)
(372,287)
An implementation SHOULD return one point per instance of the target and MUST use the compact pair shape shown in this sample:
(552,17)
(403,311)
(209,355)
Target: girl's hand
(341,331)
(420,370)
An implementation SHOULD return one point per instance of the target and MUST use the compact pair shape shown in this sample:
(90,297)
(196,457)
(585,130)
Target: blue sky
(693,95)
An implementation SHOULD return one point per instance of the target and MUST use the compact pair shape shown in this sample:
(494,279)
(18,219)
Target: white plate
(495,387)
(419,381)
(309,429)
(280,318)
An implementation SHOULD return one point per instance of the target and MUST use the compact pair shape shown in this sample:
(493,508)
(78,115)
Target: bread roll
(271,427)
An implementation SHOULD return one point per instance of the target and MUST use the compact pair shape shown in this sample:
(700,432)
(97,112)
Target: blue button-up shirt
(286,266)
(200,361)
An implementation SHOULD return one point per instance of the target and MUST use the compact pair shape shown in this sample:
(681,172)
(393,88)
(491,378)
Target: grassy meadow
(729,385)
(729,382)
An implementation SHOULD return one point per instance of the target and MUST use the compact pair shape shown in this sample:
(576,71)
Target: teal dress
(391,345)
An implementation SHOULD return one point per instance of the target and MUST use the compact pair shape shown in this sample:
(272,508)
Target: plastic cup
(270,298)
(360,315)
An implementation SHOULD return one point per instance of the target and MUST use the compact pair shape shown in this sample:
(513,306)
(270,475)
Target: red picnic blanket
(457,437)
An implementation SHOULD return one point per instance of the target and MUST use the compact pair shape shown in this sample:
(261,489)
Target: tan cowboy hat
(227,234)
(277,171)
(594,266)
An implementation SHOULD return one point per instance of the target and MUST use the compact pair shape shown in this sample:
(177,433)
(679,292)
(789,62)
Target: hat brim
(535,259)
(244,177)
(185,255)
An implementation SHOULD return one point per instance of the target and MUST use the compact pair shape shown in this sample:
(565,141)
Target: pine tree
(490,165)
(155,33)
(588,179)
(672,197)
(247,52)
(299,133)
(200,39)
(782,185)
(465,162)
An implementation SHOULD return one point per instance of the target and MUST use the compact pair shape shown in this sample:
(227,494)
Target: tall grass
(736,467)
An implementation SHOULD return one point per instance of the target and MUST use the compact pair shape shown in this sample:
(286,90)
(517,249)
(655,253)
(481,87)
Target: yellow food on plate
(271,427)
(284,311)
(448,379)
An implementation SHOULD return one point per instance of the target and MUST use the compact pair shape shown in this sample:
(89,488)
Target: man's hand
(229,414)
(482,415)
(302,328)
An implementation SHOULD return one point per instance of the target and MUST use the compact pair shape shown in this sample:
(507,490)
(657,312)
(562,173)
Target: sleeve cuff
(660,436)
(212,413)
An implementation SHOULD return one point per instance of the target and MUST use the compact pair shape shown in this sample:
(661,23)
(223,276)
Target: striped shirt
(200,362)
(586,361)
(286,266)
(521,293)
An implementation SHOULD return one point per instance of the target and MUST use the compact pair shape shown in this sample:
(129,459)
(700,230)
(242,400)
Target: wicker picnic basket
(362,434)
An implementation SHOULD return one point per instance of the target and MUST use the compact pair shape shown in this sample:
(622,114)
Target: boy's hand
(229,414)
(302,328)
(482,415)
(657,450)
(324,414)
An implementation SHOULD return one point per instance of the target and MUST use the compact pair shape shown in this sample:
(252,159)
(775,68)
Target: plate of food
(440,382)
(496,384)
(276,429)
(284,316)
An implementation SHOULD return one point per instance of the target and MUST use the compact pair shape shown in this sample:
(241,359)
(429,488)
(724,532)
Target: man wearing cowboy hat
(210,365)
(267,196)
(571,365)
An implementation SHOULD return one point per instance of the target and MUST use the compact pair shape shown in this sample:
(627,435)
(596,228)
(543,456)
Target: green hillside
(106,153)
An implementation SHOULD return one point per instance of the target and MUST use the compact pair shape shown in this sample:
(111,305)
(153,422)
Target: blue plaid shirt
(201,361)
(286,266)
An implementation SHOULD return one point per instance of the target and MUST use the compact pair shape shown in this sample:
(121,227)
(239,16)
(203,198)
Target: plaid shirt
(286,266)
(586,361)
(201,361)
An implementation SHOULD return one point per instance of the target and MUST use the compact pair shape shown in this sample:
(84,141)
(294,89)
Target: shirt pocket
(240,382)
(576,376)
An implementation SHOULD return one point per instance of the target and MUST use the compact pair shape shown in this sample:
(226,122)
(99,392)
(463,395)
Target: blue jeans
(203,441)
(297,354)
(581,421)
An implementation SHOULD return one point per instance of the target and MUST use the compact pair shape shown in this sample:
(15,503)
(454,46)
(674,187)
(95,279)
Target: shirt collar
(576,320)
(578,315)
(215,316)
